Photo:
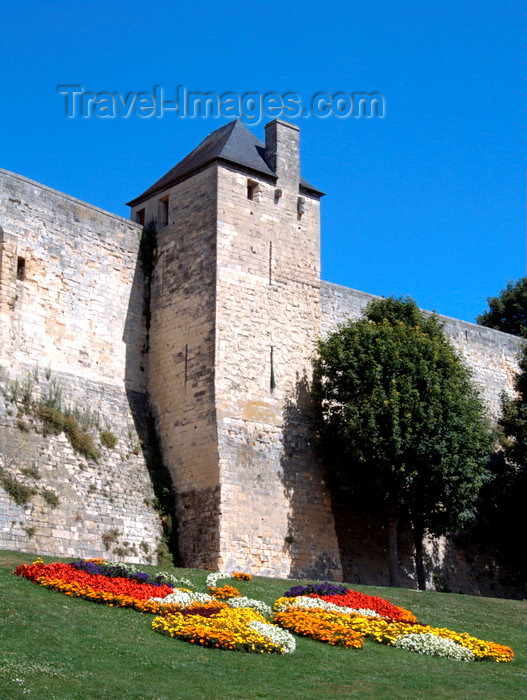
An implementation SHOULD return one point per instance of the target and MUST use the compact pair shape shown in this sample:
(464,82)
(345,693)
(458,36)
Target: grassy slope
(52,646)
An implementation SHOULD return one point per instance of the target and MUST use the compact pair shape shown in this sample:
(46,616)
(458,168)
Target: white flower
(244,602)
(183,598)
(431,645)
(212,579)
(129,567)
(276,635)
(174,580)
(305,602)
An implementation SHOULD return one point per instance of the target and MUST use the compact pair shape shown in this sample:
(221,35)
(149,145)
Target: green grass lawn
(53,646)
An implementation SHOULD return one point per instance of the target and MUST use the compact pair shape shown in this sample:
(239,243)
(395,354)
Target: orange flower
(224,593)
(241,576)
(322,627)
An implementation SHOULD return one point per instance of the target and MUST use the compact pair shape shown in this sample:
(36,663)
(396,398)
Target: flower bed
(240,576)
(354,599)
(117,570)
(225,620)
(346,598)
(300,616)
(224,593)
(316,589)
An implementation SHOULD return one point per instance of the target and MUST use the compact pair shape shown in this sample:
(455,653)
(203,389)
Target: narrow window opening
(140,217)
(272,381)
(252,190)
(270,262)
(186,363)
(21,269)
(301,206)
(163,211)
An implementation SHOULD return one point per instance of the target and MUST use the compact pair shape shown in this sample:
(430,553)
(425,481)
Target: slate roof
(234,143)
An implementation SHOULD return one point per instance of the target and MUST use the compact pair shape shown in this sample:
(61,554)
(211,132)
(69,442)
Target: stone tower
(235,311)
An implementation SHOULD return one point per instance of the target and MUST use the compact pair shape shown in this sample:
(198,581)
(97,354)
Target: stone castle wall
(72,330)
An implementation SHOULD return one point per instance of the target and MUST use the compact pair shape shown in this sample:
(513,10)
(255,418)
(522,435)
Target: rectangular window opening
(163,211)
(21,269)
(272,381)
(252,190)
(140,217)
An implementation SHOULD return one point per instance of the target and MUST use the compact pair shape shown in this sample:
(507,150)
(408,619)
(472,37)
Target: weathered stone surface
(72,328)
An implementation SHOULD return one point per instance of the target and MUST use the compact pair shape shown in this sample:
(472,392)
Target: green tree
(401,427)
(513,421)
(508,311)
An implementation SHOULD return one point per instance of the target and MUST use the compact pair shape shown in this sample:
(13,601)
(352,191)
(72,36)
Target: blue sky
(427,201)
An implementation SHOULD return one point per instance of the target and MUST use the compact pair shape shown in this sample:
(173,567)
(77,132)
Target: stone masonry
(72,325)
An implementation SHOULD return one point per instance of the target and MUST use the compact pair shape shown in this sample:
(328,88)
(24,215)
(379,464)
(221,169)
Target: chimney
(282,151)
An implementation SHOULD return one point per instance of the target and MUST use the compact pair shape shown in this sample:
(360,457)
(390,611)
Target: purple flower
(325,588)
(119,571)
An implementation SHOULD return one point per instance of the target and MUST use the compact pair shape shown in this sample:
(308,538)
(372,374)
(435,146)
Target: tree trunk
(392,546)
(419,564)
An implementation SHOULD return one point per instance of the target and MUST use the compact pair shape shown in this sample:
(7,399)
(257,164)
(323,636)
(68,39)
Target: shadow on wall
(363,546)
(327,540)
(484,559)
(331,540)
(136,339)
(492,549)
(310,541)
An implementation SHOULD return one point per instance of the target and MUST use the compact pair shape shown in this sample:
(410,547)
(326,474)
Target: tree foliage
(500,523)
(514,418)
(401,426)
(508,311)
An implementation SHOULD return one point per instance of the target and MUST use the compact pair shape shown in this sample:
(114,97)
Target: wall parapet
(74,200)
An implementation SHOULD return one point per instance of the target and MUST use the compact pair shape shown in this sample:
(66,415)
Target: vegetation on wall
(55,421)
(38,406)
(19,492)
(513,422)
(401,426)
(47,409)
(108,439)
(109,537)
(164,501)
(148,250)
(51,498)
(148,260)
